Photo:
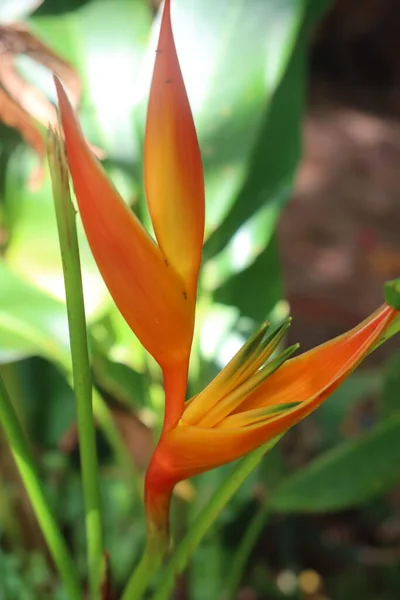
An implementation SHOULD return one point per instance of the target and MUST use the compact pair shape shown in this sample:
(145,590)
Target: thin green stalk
(23,458)
(68,238)
(242,554)
(206,518)
(145,571)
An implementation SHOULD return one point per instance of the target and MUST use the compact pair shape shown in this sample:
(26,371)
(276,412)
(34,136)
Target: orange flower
(258,395)
(154,286)
(252,400)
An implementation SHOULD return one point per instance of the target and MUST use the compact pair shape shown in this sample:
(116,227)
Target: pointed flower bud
(172,163)
(148,291)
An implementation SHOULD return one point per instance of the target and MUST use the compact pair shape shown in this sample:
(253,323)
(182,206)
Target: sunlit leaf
(105,43)
(232,59)
(256,289)
(94,38)
(33,251)
(12,11)
(271,170)
(31,323)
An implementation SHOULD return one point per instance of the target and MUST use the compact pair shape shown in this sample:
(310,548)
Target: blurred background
(297,106)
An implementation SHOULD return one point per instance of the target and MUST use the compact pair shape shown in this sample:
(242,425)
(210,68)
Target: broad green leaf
(31,322)
(257,289)
(243,265)
(270,172)
(355,472)
(245,246)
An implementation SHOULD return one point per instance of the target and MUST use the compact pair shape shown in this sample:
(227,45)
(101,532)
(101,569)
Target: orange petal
(308,380)
(187,451)
(172,163)
(300,378)
(148,292)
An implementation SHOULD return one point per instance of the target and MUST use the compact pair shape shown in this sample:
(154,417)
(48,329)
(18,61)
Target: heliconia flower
(252,400)
(154,286)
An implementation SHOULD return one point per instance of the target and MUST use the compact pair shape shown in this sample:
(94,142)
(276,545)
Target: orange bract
(236,414)
(149,293)
(172,163)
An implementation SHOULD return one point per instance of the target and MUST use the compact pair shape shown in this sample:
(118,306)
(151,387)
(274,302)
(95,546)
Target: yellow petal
(232,401)
(251,356)
(172,163)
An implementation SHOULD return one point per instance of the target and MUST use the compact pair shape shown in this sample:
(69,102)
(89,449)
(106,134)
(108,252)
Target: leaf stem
(242,554)
(24,461)
(68,239)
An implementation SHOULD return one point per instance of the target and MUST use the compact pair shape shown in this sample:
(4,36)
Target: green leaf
(315,10)
(270,171)
(123,383)
(34,251)
(256,289)
(233,58)
(345,477)
(390,404)
(31,322)
(105,43)
(242,269)
(94,37)
(48,401)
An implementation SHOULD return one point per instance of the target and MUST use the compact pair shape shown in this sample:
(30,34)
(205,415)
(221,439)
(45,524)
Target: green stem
(146,569)
(206,518)
(242,554)
(23,458)
(68,238)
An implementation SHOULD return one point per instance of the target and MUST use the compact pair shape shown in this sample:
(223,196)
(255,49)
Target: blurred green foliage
(244,64)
